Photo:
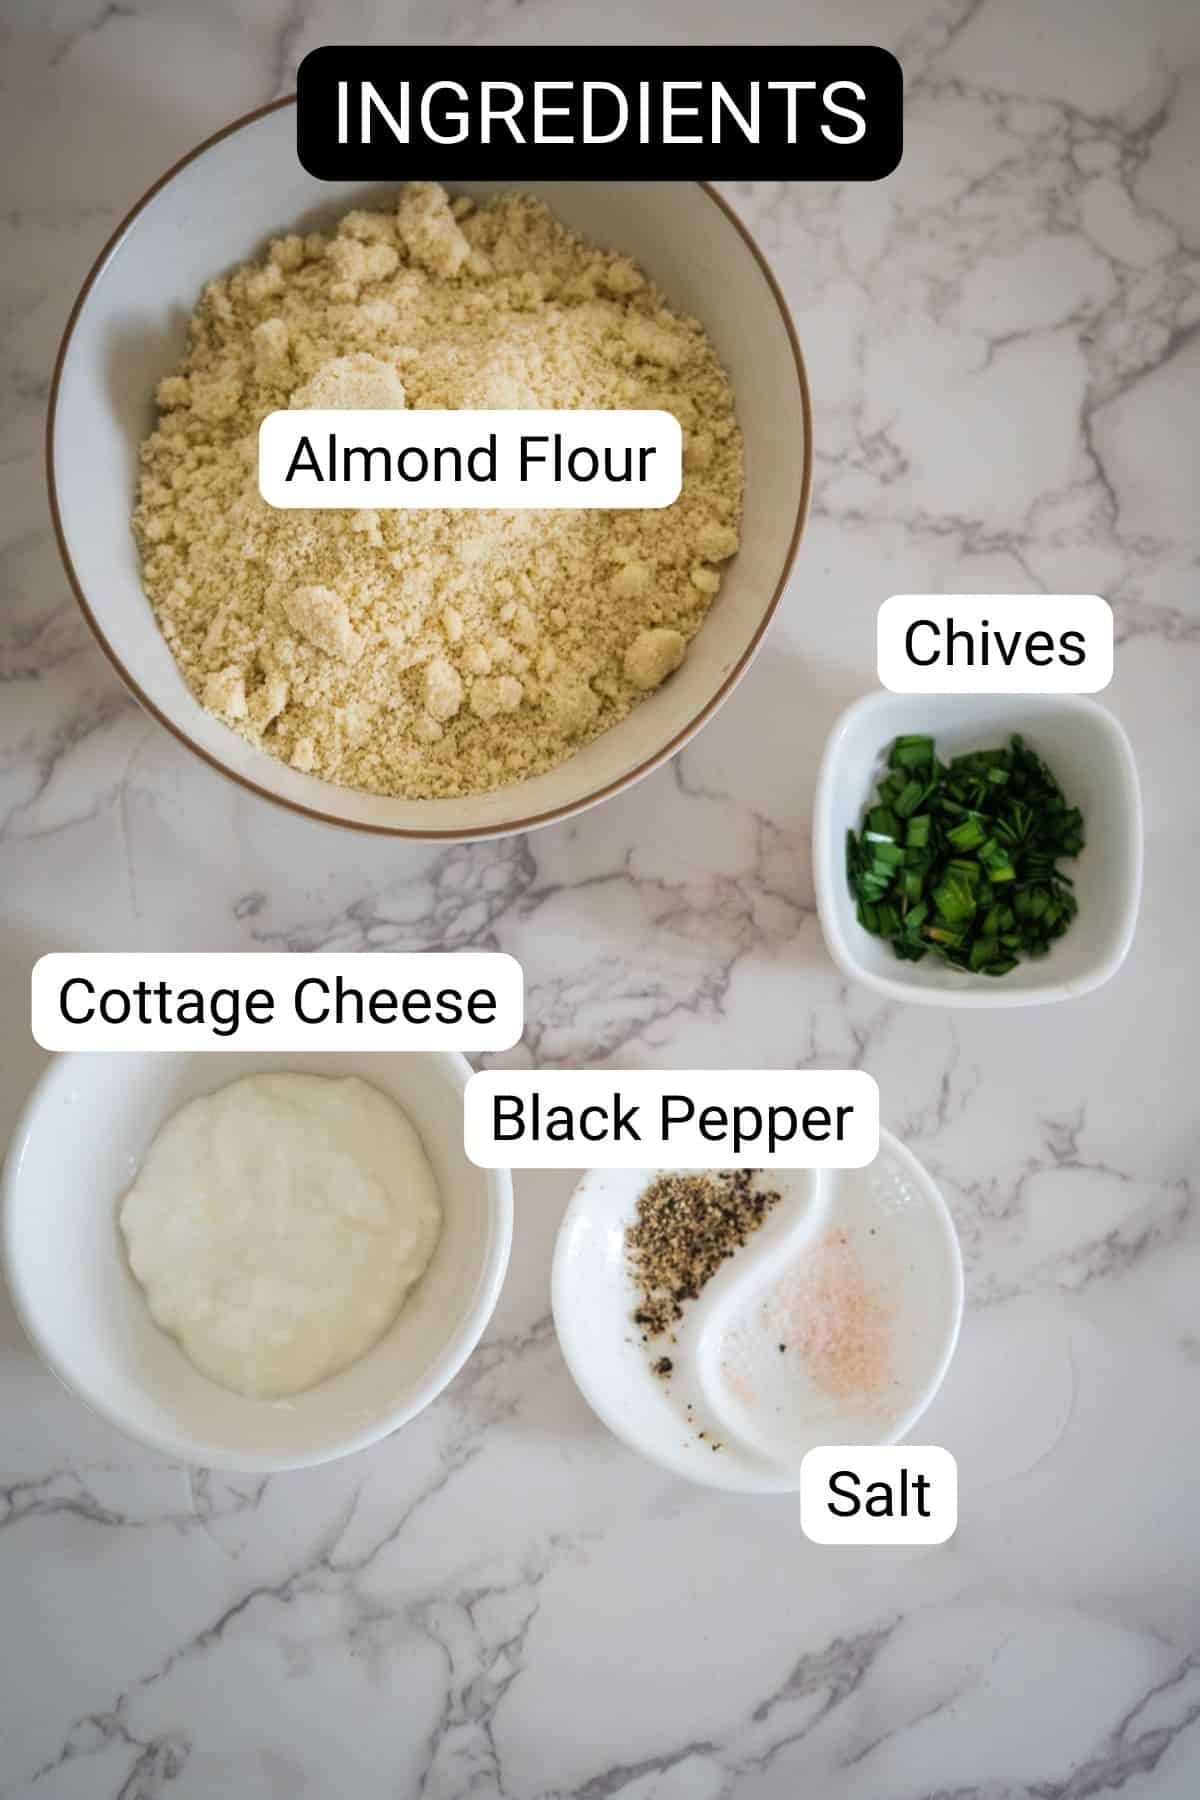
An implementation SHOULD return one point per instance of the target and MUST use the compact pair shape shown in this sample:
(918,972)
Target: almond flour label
(394,458)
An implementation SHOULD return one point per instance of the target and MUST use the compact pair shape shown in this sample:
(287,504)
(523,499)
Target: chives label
(995,643)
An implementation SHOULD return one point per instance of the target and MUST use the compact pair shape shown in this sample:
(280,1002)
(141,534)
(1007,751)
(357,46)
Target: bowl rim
(827,865)
(609,1414)
(426,835)
(180,1446)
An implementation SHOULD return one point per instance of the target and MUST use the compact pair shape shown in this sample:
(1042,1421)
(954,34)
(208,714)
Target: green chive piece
(967,836)
(911,753)
(909,798)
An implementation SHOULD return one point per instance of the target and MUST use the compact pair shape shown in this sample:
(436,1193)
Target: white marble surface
(501,1600)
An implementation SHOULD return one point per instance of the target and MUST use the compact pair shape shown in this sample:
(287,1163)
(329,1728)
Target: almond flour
(430,653)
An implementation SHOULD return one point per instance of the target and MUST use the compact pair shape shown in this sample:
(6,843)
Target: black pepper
(685,1226)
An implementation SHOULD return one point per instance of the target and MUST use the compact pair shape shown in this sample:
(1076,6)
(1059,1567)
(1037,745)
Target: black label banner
(779,113)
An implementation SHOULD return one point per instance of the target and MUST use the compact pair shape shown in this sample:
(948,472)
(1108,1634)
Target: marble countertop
(502,1600)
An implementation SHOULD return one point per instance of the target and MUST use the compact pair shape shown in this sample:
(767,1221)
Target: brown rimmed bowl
(219,207)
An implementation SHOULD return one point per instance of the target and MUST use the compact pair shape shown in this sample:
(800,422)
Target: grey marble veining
(501,1600)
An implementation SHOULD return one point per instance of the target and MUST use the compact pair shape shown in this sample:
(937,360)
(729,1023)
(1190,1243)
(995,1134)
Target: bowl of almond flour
(433,673)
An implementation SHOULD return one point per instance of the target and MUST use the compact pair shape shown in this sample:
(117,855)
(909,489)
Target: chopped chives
(962,857)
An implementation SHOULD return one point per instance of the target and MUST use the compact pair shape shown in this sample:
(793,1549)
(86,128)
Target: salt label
(883,1494)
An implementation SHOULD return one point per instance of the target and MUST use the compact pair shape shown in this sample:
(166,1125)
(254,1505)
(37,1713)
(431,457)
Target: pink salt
(827,1312)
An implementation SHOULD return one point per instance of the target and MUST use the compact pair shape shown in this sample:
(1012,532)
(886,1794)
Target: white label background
(879,1463)
(685,1147)
(618,430)
(1052,614)
(280,973)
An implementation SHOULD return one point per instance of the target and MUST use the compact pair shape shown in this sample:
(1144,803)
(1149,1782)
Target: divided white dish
(594,1300)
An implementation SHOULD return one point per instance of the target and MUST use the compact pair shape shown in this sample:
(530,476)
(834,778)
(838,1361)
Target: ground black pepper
(685,1227)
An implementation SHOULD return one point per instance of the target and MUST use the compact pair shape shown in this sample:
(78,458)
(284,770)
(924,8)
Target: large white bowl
(221,205)
(1088,751)
(74,1153)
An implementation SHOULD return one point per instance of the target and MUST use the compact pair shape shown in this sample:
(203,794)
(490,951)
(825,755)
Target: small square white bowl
(1090,755)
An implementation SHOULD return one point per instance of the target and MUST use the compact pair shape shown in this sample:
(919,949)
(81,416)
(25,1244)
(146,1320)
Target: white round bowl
(594,1301)
(75,1150)
(221,205)
(1089,753)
